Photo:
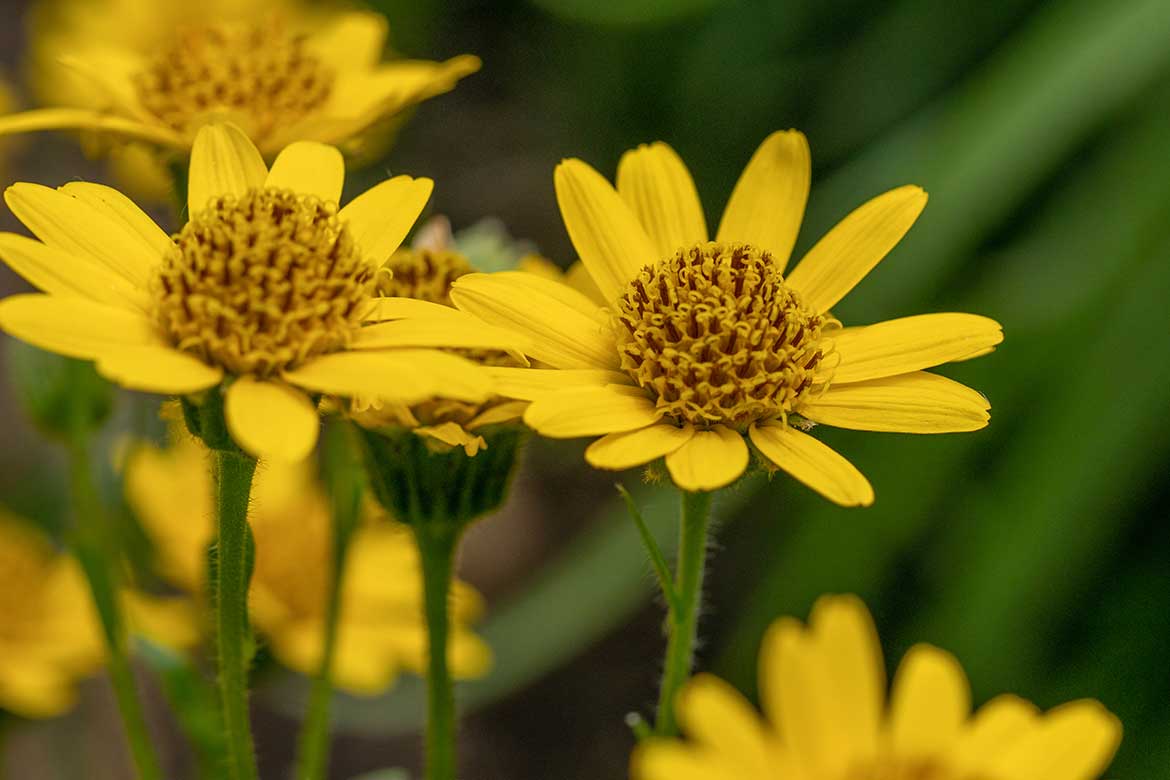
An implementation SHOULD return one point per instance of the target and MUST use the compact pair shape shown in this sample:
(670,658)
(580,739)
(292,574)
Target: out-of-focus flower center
(262,282)
(424,274)
(717,337)
(262,76)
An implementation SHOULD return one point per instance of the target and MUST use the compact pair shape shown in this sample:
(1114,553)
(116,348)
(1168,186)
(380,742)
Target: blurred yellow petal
(590,412)
(380,217)
(708,460)
(407,375)
(309,168)
(997,725)
(170,621)
(661,759)
(813,463)
(656,185)
(271,420)
(87,119)
(74,327)
(532,383)
(611,243)
(618,451)
(496,414)
(453,435)
(911,344)
(1075,741)
(223,162)
(918,402)
(851,249)
(354,40)
(767,205)
(929,703)
(718,717)
(62,273)
(157,369)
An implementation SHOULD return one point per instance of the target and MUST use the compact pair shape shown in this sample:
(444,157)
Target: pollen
(717,337)
(263,76)
(262,282)
(424,274)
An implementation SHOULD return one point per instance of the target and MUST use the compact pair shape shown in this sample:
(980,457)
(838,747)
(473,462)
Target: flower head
(381,630)
(702,346)
(284,72)
(267,287)
(822,688)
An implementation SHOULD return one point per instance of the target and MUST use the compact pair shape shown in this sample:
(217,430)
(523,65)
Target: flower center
(265,77)
(717,337)
(262,282)
(424,274)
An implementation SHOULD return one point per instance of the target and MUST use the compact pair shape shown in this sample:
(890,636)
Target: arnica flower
(705,345)
(267,286)
(381,630)
(827,718)
(283,72)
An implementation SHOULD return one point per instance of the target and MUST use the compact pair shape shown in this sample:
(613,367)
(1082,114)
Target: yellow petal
(813,463)
(223,162)
(911,344)
(590,412)
(995,728)
(74,327)
(611,243)
(767,205)
(716,715)
(271,420)
(118,207)
(559,334)
(453,435)
(309,168)
(662,759)
(63,273)
(919,402)
(404,375)
(157,369)
(461,332)
(1075,741)
(383,309)
(851,249)
(708,460)
(532,383)
(656,185)
(929,704)
(71,224)
(496,414)
(618,451)
(381,216)
(86,119)
(353,41)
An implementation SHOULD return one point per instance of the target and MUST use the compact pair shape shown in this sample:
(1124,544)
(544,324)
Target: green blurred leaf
(626,12)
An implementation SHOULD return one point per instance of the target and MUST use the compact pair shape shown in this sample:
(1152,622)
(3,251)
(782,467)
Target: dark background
(1037,550)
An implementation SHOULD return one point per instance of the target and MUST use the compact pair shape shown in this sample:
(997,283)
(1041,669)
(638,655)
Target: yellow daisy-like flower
(703,344)
(827,718)
(381,629)
(268,285)
(283,71)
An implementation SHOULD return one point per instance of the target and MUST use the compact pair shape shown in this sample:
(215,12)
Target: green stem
(692,553)
(96,549)
(436,545)
(233,485)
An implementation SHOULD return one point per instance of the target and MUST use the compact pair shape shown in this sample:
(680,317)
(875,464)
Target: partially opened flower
(283,71)
(380,631)
(705,345)
(267,287)
(827,718)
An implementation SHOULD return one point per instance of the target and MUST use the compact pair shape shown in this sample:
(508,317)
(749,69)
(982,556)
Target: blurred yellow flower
(268,285)
(381,629)
(283,71)
(704,345)
(823,694)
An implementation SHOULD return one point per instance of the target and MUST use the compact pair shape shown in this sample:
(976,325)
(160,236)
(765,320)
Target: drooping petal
(911,344)
(767,205)
(157,369)
(120,208)
(74,327)
(403,375)
(223,162)
(851,249)
(271,420)
(531,383)
(559,334)
(918,402)
(309,168)
(929,703)
(454,435)
(63,273)
(87,119)
(381,216)
(607,236)
(619,451)
(656,185)
(813,463)
(590,411)
(709,460)
(464,332)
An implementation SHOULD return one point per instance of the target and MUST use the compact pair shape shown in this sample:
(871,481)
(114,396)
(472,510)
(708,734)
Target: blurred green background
(1037,550)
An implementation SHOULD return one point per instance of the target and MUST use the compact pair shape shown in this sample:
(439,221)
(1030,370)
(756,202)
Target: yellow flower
(381,630)
(823,694)
(704,344)
(283,71)
(268,285)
